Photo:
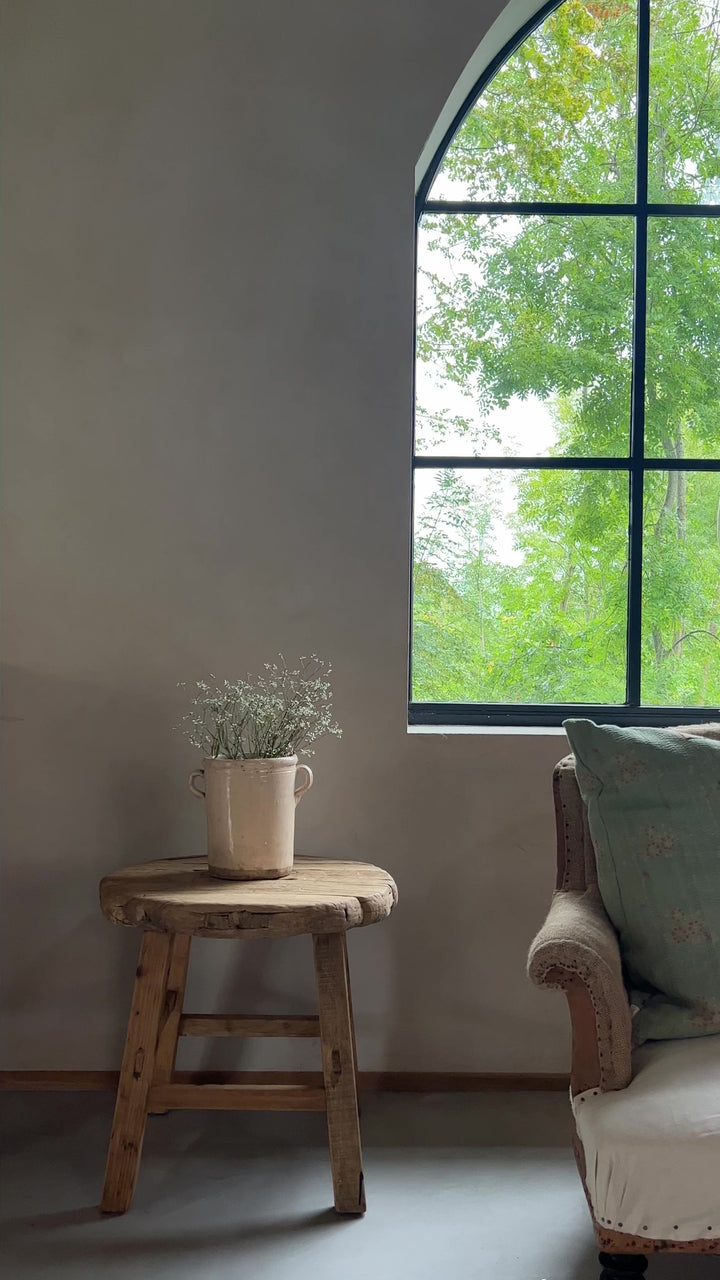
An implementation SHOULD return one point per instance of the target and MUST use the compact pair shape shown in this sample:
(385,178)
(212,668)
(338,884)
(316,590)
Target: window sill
(547,719)
(515,730)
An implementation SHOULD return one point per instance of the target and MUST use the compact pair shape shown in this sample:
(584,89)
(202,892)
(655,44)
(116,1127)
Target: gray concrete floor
(460,1187)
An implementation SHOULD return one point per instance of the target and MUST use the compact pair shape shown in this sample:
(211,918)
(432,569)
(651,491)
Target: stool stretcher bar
(236,1097)
(275,1025)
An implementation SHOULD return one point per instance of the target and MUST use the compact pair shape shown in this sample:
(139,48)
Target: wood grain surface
(339,1072)
(274,1025)
(178,895)
(136,1074)
(237,1097)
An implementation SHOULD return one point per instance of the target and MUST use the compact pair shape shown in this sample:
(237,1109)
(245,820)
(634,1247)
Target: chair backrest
(576,867)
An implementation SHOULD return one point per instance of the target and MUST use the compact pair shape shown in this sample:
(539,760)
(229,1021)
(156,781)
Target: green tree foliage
(520,585)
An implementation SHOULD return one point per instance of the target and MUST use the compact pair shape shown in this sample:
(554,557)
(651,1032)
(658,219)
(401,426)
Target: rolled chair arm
(577,951)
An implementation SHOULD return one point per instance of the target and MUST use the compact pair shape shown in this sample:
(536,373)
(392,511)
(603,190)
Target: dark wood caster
(620,1266)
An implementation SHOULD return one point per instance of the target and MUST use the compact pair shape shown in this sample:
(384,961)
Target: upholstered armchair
(647,1122)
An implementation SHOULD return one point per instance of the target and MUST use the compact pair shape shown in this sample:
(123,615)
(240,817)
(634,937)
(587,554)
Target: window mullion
(637,418)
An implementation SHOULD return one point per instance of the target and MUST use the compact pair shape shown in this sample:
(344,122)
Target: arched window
(567,416)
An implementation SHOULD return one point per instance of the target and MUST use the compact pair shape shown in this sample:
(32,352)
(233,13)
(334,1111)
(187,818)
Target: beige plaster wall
(207,240)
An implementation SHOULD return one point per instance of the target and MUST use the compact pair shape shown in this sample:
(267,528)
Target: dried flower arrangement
(274,715)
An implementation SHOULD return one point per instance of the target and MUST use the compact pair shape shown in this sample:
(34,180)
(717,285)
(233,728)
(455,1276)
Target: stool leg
(136,1073)
(338,1057)
(352,1019)
(172,1011)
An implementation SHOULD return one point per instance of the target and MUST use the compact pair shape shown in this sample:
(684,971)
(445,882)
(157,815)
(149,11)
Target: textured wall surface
(208,276)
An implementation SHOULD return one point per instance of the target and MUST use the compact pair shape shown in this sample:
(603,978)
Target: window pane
(524,335)
(520,586)
(557,122)
(683,338)
(681,590)
(685,101)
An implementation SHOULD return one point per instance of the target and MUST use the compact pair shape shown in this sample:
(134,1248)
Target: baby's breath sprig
(279,713)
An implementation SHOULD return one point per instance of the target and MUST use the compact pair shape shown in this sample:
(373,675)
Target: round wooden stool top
(178,895)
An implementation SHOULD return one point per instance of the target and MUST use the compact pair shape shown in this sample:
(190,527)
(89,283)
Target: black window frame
(635,465)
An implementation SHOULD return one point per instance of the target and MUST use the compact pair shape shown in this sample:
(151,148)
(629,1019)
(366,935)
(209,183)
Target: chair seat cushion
(653,801)
(652,1150)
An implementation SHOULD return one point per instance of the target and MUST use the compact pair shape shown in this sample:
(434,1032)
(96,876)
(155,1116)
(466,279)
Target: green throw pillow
(653,801)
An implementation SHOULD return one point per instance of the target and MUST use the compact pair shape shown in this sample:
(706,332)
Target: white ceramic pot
(250,812)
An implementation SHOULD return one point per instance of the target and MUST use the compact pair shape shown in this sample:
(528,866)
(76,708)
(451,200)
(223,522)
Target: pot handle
(301,790)
(197,773)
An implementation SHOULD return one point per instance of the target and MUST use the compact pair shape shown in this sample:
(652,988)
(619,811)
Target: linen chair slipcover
(647,1122)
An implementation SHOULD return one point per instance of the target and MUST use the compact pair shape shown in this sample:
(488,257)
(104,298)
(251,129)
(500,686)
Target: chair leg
(619,1266)
(338,1057)
(136,1073)
(172,1011)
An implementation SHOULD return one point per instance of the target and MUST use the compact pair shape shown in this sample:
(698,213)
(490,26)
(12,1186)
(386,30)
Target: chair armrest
(577,951)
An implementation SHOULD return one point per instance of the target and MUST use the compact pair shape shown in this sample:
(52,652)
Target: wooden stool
(175,899)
